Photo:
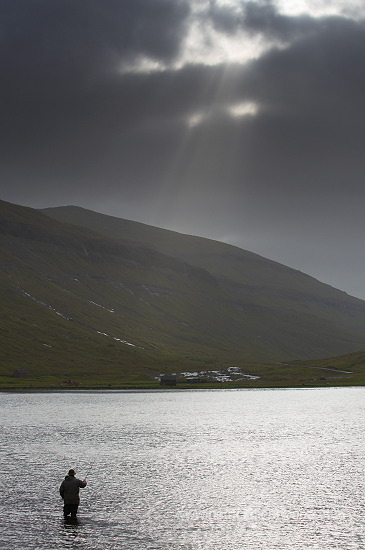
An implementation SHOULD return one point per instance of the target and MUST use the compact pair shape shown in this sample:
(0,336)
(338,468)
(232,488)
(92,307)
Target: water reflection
(185,470)
(71,521)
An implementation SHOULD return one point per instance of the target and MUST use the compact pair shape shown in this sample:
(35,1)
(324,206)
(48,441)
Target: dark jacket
(69,489)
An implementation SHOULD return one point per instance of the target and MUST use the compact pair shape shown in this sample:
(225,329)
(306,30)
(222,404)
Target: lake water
(185,470)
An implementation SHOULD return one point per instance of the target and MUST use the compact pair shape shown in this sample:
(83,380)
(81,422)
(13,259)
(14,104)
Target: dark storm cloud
(313,120)
(79,38)
(262,18)
(71,116)
(63,100)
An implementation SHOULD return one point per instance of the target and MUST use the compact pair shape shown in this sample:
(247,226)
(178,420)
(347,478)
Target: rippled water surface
(185,470)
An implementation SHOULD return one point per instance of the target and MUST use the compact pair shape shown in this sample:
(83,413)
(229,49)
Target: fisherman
(69,491)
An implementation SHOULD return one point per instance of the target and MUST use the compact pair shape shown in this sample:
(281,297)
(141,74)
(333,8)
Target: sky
(241,121)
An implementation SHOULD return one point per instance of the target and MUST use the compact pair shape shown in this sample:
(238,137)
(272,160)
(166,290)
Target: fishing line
(90,469)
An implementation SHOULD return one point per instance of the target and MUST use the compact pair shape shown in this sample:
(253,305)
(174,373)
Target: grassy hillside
(74,302)
(347,369)
(80,306)
(288,313)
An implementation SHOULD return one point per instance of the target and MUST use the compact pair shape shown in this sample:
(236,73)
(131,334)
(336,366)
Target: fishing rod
(90,469)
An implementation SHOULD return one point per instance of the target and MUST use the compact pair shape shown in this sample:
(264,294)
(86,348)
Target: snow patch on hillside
(48,306)
(102,307)
(117,339)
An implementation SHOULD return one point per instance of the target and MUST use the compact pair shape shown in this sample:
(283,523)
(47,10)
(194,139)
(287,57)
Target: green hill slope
(76,303)
(98,304)
(288,313)
(347,369)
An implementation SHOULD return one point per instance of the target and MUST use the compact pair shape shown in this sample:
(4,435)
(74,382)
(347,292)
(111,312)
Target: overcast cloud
(239,121)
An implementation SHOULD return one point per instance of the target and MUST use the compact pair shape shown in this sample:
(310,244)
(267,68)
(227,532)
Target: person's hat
(71,472)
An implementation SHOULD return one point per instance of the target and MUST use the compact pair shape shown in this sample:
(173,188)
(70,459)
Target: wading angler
(69,491)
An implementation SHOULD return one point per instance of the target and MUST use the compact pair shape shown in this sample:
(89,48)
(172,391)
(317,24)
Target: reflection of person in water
(69,491)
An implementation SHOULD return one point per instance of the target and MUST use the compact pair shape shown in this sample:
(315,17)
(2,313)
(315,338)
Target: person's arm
(62,490)
(82,483)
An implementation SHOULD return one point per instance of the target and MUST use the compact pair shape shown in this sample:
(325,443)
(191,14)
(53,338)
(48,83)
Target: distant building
(70,383)
(168,380)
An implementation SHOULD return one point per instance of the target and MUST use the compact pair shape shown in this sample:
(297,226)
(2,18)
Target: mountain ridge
(162,239)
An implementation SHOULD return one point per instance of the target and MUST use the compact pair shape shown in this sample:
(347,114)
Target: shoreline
(174,389)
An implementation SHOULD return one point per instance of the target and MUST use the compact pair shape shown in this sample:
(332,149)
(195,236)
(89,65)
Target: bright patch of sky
(210,47)
(243,109)
(195,119)
(142,64)
(318,8)
(236,110)
(314,8)
(207,45)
